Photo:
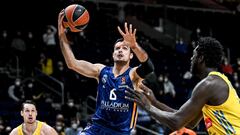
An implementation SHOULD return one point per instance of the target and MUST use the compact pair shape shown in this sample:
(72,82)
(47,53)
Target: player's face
(121,53)
(194,62)
(29,113)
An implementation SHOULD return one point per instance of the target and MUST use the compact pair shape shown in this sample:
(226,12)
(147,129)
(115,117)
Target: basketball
(76,18)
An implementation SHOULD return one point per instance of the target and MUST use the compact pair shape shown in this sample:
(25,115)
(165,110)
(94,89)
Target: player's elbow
(175,124)
(71,65)
(193,124)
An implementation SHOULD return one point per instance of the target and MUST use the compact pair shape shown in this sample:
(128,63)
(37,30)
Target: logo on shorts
(208,122)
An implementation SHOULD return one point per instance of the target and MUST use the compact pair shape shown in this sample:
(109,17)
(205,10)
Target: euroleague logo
(208,122)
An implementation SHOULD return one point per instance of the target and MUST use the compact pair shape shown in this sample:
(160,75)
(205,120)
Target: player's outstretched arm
(149,94)
(81,66)
(180,118)
(129,37)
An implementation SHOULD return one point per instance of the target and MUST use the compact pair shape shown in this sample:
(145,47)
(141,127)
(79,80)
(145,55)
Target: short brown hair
(27,102)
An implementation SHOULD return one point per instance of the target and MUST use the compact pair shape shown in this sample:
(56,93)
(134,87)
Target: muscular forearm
(167,118)
(162,106)
(195,121)
(140,53)
(66,51)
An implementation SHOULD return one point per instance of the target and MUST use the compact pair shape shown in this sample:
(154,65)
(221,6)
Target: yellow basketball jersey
(223,119)
(36,132)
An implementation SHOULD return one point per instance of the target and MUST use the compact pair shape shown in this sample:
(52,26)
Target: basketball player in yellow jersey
(31,126)
(213,98)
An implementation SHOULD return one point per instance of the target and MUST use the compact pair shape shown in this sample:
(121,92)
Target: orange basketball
(76,18)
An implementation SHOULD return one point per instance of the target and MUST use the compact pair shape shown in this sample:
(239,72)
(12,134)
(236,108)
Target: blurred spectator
(169,91)
(8,129)
(169,87)
(46,64)
(181,47)
(32,53)
(4,40)
(226,67)
(60,124)
(60,72)
(49,40)
(237,87)
(187,75)
(74,129)
(4,129)
(4,47)
(15,91)
(69,110)
(2,126)
(18,43)
(160,91)
(235,77)
(236,66)
(18,46)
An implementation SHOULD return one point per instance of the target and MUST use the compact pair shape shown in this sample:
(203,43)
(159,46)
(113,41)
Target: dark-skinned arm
(150,95)
(183,116)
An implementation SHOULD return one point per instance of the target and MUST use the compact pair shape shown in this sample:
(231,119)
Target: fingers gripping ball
(76,18)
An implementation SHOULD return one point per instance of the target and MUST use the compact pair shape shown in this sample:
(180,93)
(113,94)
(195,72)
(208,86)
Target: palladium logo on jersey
(114,106)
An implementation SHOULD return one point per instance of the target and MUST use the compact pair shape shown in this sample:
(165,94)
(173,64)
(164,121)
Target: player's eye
(125,48)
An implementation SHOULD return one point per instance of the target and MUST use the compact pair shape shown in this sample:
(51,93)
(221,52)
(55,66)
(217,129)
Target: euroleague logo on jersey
(208,122)
(123,80)
(104,78)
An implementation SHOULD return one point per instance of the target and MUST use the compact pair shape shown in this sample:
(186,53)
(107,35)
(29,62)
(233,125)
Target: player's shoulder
(215,82)
(209,85)
(132,70)
(47,129)
(100,66)
(202,86)
(14,131)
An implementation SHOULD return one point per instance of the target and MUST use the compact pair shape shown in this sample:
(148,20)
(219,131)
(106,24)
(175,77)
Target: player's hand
(61,30)
(138,97)
(148,93)
(129,36)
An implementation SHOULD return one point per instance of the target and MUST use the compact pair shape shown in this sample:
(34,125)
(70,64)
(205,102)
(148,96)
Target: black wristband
(145,68)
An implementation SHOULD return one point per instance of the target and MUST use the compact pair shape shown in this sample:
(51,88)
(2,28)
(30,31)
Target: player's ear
(201,59)
(21,113)
(131,55)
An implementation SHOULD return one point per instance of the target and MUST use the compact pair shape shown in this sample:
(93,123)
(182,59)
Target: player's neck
(30,128)
(119,69)
(205,72)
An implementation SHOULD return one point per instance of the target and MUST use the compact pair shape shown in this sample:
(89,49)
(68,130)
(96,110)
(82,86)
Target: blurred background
(32,66)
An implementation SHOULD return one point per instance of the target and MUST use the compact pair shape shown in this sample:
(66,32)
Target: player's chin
(31,121)
(120,61)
